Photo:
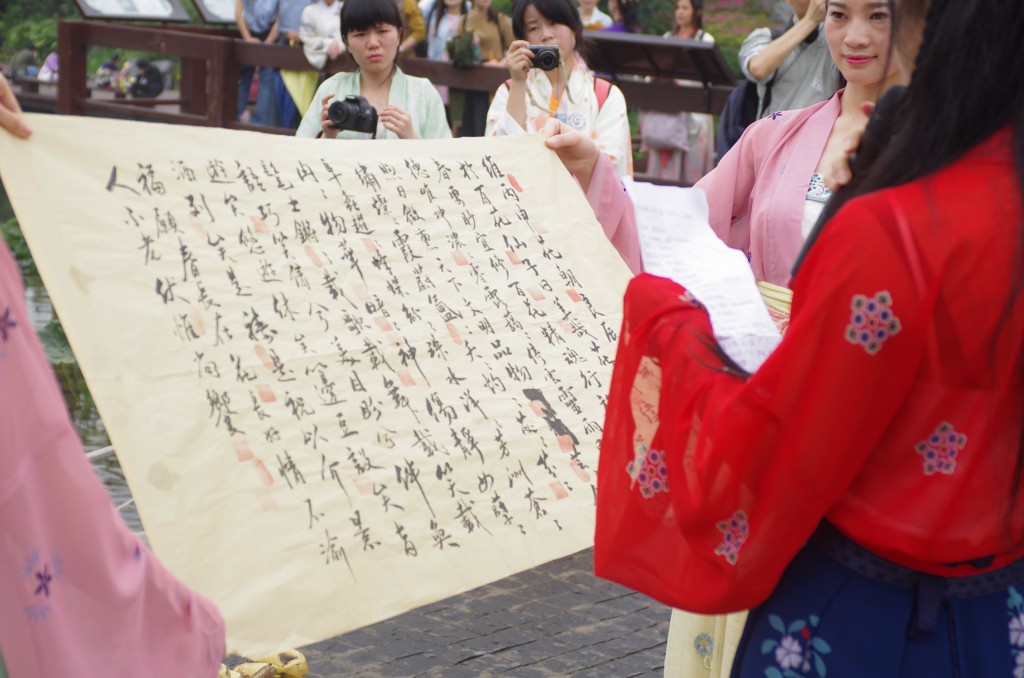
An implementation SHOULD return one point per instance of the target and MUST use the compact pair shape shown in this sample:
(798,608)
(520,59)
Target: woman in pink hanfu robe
(757,195)
(81,595)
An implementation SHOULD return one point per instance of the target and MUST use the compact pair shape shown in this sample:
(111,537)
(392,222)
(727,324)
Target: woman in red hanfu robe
(862,492)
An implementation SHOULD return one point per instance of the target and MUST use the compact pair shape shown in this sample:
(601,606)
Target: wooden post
(72,45)
(222,85)
(193,86)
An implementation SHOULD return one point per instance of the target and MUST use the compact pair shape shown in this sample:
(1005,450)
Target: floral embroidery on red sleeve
(734,533)
(872,321)
(648,470)
(940,449)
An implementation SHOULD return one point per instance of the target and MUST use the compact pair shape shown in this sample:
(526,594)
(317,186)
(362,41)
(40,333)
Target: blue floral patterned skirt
(872,618)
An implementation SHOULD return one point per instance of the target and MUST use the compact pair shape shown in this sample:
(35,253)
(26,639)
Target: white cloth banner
(344,379)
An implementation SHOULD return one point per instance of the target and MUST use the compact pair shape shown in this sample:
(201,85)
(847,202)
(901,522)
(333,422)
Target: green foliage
(40,31)
(12,235)
(502,6)
(55,343)
(654,17)
(35,21)
(194,17)
(65,366)
(729,46)
(730,21)
(6,211)
(32,21)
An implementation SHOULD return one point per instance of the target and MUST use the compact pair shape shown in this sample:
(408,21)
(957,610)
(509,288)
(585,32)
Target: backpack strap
(601,88)
(766,100)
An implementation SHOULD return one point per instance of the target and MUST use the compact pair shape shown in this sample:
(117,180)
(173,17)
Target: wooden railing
(210,60)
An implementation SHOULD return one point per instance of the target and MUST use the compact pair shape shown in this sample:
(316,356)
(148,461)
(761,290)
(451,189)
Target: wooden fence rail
(210,60)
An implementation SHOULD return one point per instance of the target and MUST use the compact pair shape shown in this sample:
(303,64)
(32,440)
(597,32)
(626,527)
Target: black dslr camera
(353,113)
(545,57)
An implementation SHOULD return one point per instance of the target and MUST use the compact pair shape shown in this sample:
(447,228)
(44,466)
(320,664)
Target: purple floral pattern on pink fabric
(41,577)
(648,471)
(941,449)
(734,533)
(872,321)
(6,325)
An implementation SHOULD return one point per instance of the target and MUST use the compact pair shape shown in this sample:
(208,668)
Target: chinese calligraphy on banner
(344,379)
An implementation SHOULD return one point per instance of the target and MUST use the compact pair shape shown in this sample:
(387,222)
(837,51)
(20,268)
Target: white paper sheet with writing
(343,378)
(676,242)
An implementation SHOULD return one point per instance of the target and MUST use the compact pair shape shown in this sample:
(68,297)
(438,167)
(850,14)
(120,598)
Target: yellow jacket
(413,19)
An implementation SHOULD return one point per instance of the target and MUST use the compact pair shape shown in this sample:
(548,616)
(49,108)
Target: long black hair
(438,11)
(968,84)
(698,18)
(630,13)
(360,15)
(556,11)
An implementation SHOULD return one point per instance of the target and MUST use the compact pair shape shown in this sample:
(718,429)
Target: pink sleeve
(79,589)
(614,210)
(728,188)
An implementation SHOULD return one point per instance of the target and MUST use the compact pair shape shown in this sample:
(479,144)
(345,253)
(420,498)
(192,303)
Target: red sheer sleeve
(709,484)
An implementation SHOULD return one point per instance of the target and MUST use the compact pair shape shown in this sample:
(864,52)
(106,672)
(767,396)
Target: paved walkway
(554,620)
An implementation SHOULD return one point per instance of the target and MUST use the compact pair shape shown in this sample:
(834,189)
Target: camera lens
(547,60)
(339,112)
(353,113)
(545,57)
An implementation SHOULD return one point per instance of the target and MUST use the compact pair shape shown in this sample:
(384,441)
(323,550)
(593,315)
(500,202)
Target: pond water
(83,410)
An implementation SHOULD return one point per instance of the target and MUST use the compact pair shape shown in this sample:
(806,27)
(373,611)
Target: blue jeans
(266,106)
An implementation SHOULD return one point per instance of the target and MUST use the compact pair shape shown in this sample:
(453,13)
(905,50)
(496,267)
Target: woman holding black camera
(407,107)
(568,91)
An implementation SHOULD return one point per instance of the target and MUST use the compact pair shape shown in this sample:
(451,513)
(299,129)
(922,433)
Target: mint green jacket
(416,96)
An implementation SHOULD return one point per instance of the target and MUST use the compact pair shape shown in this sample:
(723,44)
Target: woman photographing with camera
(567,91)
(406,107)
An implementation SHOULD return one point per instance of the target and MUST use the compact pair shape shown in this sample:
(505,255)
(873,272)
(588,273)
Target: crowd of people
(794,71)
(861,492)
(570,92)
(432,28)
(679,147)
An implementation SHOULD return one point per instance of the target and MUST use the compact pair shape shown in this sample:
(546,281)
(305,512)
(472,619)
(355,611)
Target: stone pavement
(554,620)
